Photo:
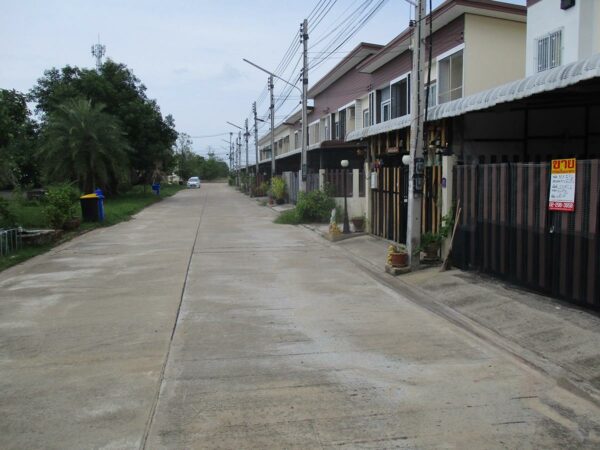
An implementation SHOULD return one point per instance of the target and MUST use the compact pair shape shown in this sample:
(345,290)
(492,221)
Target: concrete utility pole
(272,109)
(239,156)
(416,165)
(303,157)
(231,151)
(246,134)
(255,141)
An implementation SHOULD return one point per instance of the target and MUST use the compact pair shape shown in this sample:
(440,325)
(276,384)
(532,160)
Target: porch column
(447,190)
(355,181)
(321,178)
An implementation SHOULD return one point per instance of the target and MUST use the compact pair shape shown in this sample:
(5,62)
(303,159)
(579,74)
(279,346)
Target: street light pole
(255,142)
(272,108)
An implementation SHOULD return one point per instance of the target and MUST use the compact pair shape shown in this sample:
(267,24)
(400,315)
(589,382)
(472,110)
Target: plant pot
(399,259)
(359,224)
(71,224)
(431,251)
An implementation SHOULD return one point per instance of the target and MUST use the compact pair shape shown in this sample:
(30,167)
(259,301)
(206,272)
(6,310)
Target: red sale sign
(562,185)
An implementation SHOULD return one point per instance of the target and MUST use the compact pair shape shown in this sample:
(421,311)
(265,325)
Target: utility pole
(272,109)
(246,134)
(303,157)
(239,157)
(417,163)
(255,141)
(231,151)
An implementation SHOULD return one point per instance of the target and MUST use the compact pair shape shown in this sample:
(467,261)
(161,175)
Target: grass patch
(289,217)
(30,214)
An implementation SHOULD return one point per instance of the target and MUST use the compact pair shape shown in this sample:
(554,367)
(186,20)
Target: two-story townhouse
(561,32)
(475,45)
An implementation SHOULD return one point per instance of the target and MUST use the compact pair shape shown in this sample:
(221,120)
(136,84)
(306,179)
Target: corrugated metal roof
(557,78)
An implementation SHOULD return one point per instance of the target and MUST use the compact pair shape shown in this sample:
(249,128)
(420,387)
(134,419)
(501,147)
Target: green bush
(315,206)
(289,217)
(61,205)
(8,219)
(278,188)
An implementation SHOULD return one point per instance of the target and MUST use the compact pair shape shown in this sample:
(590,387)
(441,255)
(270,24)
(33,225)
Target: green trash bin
(89,208)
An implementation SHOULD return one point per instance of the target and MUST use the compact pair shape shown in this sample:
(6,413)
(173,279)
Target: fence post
(321,178)
(447,191)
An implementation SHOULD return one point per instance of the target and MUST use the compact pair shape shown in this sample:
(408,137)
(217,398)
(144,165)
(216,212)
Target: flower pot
(431,251)
(399,259)
(359,224)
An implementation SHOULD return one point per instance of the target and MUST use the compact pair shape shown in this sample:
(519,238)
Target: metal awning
(550,80)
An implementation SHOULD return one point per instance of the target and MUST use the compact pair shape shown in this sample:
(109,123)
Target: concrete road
(201,324)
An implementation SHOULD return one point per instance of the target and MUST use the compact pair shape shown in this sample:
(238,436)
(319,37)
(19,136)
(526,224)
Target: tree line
(94,128)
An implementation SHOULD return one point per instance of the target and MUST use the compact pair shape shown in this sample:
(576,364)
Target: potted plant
(397,255)
(430,244)
(359,223)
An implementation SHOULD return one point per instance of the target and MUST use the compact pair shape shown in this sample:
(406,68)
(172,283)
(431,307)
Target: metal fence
(335,179)
(312,182)
(292,182)
(506,229)
(10,241)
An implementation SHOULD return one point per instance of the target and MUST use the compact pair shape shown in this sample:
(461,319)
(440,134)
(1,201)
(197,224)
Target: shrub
(61,205)
(278,188)
(8,219)
(315,206)
(289,217)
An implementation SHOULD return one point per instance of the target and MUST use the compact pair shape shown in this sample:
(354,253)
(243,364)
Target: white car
(193,182)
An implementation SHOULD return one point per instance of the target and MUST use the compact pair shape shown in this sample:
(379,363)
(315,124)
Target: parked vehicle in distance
(193,182)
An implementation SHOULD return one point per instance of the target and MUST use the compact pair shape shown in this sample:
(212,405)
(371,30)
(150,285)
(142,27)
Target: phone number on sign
(562,205)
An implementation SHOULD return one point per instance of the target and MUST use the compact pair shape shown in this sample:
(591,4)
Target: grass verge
(116,209)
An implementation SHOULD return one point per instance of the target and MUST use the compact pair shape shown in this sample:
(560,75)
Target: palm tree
(82,143)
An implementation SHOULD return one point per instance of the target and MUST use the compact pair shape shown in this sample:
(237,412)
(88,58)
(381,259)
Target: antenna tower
(98,51)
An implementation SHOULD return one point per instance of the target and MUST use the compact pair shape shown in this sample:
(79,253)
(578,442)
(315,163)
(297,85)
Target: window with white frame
(366,118)
(372,108)
(549,51)
(432,99)
(450,77)
(400,95)
(385,111)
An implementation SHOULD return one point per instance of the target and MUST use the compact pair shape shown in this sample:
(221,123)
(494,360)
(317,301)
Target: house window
(366,119)
(450,77)
(432,100)
(372,117)
(342,125)
(549,49)
(386,108)
(401,97)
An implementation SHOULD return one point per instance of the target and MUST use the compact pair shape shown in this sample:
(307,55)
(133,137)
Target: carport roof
(550,80)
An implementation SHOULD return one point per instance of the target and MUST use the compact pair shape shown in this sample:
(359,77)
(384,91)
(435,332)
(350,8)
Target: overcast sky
(188,53)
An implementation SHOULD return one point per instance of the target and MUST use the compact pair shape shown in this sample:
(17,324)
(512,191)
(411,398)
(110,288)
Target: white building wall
(580,27)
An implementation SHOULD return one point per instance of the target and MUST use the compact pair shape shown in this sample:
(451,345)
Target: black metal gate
(507,230)
(390,203)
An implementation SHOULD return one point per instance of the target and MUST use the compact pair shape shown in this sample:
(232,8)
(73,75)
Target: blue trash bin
(156,188)
(100,195)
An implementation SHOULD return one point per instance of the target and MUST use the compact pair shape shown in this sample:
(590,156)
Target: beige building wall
(494,52)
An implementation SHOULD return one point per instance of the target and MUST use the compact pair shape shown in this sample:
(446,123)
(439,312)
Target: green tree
(150,135)
(213,168)
(82,143)
(18,133)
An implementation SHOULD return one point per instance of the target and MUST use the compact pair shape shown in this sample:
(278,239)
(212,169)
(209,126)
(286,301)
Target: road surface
(201,324)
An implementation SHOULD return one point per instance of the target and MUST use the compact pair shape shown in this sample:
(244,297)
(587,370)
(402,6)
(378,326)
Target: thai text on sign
(562,185)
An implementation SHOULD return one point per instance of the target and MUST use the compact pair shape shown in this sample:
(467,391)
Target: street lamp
(272,108)
(346,228)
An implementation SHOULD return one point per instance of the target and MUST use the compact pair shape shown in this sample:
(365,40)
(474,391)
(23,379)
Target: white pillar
(447,190)
(321,178)
(367,201)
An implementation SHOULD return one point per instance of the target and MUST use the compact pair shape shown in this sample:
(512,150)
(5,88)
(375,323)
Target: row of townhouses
(510,89)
